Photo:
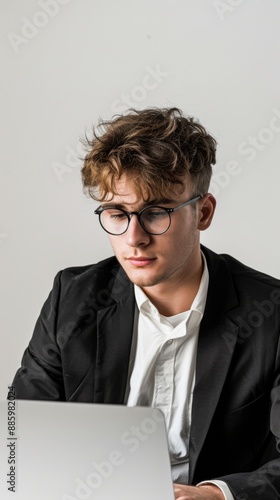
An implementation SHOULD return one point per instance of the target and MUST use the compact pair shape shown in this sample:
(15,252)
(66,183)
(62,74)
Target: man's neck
(176,296)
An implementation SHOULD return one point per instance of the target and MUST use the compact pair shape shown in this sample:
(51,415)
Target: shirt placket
(164,379)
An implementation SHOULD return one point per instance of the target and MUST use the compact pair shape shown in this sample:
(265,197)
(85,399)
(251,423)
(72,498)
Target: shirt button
(169,342)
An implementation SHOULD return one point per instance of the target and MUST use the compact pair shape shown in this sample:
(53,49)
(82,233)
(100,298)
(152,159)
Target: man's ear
(206,209)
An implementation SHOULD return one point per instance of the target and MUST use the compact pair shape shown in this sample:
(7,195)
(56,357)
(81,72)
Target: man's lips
(140,261)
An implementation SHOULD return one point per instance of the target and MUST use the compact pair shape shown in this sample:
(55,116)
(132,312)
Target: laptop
(82,451)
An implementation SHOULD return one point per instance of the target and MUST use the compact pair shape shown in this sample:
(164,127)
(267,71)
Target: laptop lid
(82,451)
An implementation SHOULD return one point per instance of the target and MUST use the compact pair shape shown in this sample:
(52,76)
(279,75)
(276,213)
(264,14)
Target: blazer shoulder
(89,277)
(99,268)
(231,278)
(242,271)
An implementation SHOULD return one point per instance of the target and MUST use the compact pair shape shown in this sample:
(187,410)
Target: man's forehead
(123,194)
(132,198)
(133,192)
(122,201)
(126,192)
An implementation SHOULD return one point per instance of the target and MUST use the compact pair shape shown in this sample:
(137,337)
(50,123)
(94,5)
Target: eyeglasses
(154,219)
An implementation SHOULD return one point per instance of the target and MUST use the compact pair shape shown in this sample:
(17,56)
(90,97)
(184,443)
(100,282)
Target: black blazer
(81,346)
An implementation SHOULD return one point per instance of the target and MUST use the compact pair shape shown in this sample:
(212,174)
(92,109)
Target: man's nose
(135,234)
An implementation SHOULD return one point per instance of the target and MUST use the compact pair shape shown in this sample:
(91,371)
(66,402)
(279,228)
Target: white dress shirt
(163,370)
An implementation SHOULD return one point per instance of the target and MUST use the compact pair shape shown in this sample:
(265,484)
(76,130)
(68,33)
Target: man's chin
(143,278)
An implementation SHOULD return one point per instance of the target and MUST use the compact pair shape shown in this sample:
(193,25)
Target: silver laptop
(81,451)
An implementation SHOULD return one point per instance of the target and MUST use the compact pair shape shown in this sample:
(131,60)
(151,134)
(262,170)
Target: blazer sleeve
(40,375)
(264,482)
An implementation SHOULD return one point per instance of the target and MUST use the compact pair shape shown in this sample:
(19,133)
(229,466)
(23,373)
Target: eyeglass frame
(169,210)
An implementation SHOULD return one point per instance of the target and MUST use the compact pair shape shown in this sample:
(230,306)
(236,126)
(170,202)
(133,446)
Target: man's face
(151,260)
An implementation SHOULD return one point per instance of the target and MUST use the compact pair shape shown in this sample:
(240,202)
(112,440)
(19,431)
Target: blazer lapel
(216,343)
(114,340)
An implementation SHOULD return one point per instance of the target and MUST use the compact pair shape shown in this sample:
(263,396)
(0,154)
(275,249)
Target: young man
(167,322)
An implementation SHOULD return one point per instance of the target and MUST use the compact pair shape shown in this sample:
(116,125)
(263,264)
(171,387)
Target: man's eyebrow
(123,206)
(162,201)
(111,204)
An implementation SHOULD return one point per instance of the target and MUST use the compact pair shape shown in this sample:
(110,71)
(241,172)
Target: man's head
(157,149)
(153,158)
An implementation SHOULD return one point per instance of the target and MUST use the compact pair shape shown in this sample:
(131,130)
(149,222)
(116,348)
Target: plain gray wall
(66,63)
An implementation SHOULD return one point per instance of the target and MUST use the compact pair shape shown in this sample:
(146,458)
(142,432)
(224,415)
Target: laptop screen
(80,451)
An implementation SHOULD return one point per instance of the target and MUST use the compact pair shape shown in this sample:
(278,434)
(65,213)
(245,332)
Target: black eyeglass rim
(98,211)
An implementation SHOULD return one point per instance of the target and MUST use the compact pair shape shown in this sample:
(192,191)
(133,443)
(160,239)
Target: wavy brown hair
(156,149)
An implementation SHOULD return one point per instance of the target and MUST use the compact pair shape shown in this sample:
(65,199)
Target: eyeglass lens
(154,220)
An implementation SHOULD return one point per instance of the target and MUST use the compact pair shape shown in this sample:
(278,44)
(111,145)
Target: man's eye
(156,214)
(117,215)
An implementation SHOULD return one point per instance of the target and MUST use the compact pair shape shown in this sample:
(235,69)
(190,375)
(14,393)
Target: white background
(70,62)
